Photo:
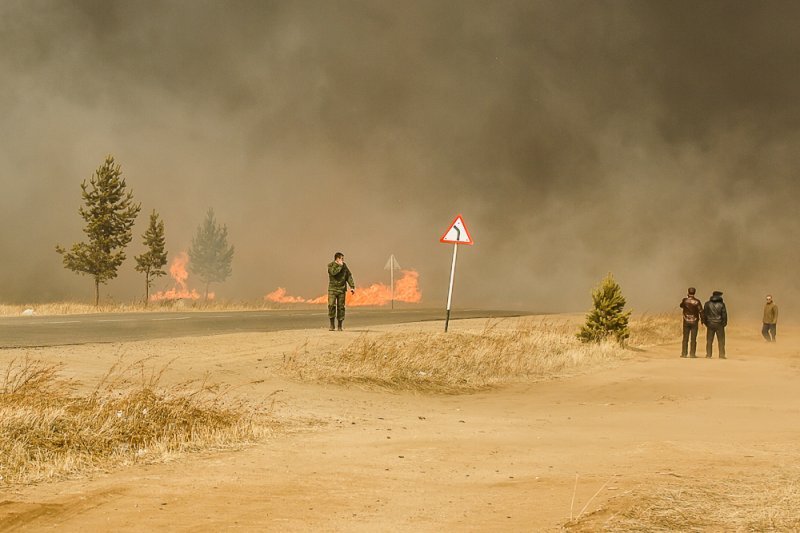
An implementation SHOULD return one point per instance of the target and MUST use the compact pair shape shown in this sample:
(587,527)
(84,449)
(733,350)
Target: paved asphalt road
(116,327)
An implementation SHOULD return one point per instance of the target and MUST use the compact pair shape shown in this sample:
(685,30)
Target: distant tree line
(110,212)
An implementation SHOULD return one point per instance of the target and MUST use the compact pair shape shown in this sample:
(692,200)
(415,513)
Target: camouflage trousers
(336,304)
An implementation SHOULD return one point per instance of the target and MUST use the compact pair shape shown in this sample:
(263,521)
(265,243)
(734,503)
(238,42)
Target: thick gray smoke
(655,140)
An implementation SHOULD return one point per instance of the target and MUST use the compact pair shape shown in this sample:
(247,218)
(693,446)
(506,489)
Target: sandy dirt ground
(506,459)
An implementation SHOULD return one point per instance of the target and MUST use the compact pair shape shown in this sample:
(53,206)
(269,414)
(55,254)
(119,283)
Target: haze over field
(656,140)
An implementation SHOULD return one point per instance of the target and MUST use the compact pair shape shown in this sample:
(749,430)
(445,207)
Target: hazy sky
(657,140)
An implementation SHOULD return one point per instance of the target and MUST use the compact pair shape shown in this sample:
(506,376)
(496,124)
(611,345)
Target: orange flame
(181,290)
(279,296)
(406,289)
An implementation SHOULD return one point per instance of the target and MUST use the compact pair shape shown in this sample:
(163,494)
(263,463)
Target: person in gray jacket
(715,318)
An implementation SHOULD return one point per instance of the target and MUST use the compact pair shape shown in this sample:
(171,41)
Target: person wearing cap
(715,318)
(692,313)
(770,320)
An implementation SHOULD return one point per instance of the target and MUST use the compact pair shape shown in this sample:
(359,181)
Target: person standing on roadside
(692,315)
(339,277)
(715,318)
(770,320)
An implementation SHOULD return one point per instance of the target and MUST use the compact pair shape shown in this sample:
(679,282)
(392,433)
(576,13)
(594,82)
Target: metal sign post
(456,234)
(450,290)
(391,266)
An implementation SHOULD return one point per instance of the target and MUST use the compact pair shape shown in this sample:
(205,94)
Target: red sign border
(442,239)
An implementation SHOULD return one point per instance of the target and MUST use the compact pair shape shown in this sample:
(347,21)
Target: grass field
(455,362)
(766,504)
(49,430)
(598,437)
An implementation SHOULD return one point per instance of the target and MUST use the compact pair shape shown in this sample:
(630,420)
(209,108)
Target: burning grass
(727,505)
(456,362)
(406,289)
(48,430)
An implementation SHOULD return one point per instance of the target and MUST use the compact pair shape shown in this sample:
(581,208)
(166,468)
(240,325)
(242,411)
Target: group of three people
(714,316)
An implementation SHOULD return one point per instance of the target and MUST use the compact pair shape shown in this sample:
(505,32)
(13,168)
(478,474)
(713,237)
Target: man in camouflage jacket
(339,277)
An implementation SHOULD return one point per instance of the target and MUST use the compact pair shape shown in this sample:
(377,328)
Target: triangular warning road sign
(392,264)
(457,233)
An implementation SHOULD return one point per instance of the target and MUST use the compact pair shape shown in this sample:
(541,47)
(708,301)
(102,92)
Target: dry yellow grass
(652,330)
(455,362)
(48,430)
(450,363)
(769,504)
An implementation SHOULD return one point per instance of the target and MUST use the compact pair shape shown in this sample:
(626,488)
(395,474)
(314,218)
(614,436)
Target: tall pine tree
(210,257)
(109,213)
(607,319)
(151,262)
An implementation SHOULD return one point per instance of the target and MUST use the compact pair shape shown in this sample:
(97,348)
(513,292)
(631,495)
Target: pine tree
(109,214)
(607,319)
(151,262)
(210,256)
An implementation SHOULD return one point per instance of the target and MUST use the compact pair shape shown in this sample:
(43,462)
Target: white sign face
(392,264)
(457,234)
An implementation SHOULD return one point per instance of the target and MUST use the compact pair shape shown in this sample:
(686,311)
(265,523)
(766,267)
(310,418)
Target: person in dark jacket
(715,318)
(692,313)
(339,277)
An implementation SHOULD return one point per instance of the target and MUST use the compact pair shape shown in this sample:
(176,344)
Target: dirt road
(506,459)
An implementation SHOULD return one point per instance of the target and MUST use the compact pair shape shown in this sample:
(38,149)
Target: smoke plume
(655,140)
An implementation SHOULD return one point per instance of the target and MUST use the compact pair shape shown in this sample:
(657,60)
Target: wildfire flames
(406,289)
(181,290)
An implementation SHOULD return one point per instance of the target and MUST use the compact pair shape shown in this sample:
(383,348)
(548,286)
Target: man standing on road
(692,314)
(715,318)
(339,277)
(770,320)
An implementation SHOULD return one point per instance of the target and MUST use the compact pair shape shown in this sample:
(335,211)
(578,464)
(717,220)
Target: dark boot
(332,326)
(340,325)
